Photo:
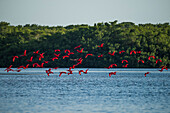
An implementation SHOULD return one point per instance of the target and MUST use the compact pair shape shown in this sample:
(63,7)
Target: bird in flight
(101,45)
(24,53)
(146,73)
(13,59)
(112,73)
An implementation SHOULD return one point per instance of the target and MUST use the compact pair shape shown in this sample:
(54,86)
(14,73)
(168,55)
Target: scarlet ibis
(101,45)
(77,47)
(42,64)
(21,67)
(36,52)
(120,52)
(46,62)
(125,65)
(158,60)
(100,55)
(81,51)
(88,55)
(86,71)
(34,64)
(124,61)
(41,56)
(57,55)
(14,58)
(57,50)
(146,73)
(18,70)
(150,57)
(140,61)
(67,51)
(30,59)
(9,69)
(112,54)
(113,65)
(54,58)
(139,52)
(55,68)
(61,73)
(27,65)
(111,73)
(132,52)
(70,53)
(49,71)
(80,71)
(65,56)
(24,53)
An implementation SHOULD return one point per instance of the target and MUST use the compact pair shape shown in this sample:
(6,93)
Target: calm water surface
(128,91)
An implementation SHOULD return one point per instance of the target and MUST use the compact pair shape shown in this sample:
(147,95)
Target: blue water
(129,91)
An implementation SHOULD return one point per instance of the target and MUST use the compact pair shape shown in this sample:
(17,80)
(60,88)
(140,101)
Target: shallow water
(31,90)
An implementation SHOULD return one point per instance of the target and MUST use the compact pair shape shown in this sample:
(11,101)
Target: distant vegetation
(151,39)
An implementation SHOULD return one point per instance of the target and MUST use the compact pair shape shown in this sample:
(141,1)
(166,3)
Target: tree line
(150,39)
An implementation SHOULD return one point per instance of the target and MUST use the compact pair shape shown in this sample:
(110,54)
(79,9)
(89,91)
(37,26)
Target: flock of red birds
(79,61)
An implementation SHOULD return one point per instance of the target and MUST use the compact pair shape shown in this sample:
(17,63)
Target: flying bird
(36,52)
(132,52)
(146,73)
(80,72)
(41,56)
(100,55)
(112,73)
(88,55)
(158,60)
(124,61)
(77,47)
(81,51)
(120,52)
(101,45)
(30,59)
(61,73)
(112,54)
(65,56)
(24,53)
(13,59)
(125,65)
(86,71)
(57,50)
(140,61)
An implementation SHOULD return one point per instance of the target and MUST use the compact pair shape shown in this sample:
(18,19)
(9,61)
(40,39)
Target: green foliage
(151,39)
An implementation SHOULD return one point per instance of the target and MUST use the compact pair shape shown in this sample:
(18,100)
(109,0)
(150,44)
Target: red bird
(41,65)
(139,52)
(27,65)
(21,67)
(46,62)
(70,53)
(36,52)
(80,71)
(41,56)
(88,55)
(112,54)
(65,56)
(30,59)
(125,65)
(18,70)
(158,60)
(61,73)
(35,64)
(150,57)
(77,47)
(81,51)
(141,61)
(67,51)
(14,58)
(146,73)
(49,72)
(86,71)
(55,68)
(9,69)
(24,53)
(100,55)
(124,61)
(111,73)
(57,50)
(132,52)
(101,45)
(57,55)
(71,72)
(54,58)
(120,52)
